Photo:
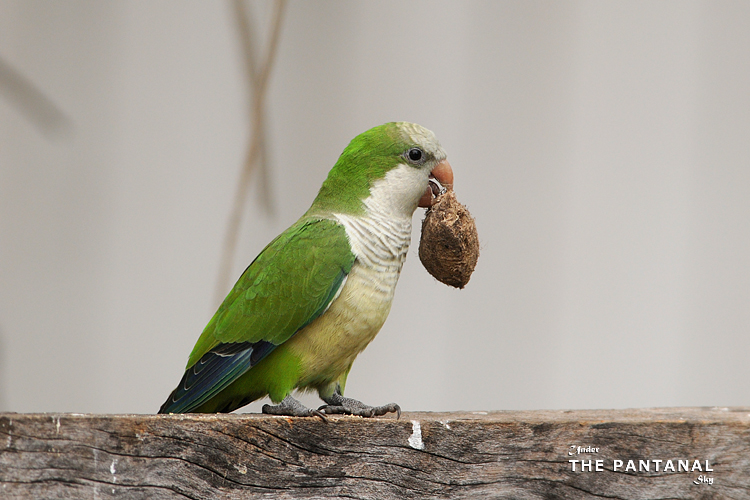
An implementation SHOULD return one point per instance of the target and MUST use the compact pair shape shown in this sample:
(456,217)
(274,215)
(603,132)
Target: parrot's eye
(415,155)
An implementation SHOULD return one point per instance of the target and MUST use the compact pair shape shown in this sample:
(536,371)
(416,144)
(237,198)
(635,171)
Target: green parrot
(319,293)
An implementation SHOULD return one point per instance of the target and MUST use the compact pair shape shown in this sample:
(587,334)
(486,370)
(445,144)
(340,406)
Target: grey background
(603,148)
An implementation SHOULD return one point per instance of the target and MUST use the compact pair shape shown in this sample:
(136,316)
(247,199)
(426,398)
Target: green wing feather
(291,282)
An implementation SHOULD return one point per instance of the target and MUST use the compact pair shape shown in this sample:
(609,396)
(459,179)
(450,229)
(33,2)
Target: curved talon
(397,409)
(389,408)
(317,413)
(333,410)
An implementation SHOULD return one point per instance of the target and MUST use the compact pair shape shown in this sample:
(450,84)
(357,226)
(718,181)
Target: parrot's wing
(292,282)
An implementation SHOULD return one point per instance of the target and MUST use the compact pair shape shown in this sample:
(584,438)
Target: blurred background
(603,148)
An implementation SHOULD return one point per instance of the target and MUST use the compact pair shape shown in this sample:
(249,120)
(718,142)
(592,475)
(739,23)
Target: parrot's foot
(290,407)
(339,404)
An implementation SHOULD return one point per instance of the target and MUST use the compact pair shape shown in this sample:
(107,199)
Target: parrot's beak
(441,179)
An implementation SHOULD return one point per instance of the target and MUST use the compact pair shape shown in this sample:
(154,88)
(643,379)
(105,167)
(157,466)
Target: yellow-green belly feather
(322,353)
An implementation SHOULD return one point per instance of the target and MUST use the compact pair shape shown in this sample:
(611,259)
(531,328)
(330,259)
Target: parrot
(317,295)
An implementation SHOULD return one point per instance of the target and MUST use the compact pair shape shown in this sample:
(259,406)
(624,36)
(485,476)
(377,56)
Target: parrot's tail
(213,373)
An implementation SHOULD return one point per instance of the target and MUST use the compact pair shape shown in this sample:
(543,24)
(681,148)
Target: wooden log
(507,454)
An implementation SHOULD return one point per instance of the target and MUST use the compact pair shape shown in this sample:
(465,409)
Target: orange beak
(443,173)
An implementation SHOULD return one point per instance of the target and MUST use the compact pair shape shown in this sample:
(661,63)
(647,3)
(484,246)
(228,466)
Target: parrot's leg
(339,404)
(290,407)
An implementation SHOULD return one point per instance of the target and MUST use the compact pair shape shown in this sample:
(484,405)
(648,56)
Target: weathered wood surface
(509,454)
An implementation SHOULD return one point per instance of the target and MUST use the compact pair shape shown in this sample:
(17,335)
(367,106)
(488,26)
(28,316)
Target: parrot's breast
(328,346)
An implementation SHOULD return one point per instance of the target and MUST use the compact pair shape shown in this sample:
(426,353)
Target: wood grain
(508,454)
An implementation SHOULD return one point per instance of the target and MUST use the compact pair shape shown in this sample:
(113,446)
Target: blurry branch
(258,72)
(31,102)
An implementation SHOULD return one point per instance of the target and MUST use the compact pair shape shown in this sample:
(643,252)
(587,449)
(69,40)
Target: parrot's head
(392,168)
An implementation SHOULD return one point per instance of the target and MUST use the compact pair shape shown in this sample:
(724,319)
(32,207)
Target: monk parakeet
(319,293)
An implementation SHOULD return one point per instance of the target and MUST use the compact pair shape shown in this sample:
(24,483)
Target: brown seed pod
(449,246)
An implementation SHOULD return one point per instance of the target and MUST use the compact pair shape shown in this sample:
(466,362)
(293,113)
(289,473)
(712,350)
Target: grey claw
(397,409)
(363,410)
(389,408)
(290,407)
(333,410)
(317,413)
(336,403)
